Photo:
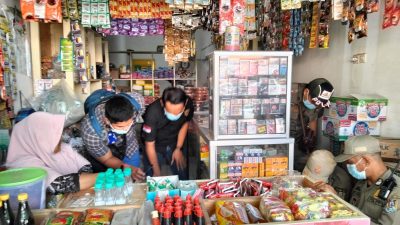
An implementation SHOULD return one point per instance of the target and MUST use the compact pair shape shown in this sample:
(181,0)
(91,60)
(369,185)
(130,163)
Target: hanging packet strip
(392,14)
(314,26)
(67,60)
(323,26)
(290,4)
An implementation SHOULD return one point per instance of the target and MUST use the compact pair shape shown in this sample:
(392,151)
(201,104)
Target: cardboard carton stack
(355,115)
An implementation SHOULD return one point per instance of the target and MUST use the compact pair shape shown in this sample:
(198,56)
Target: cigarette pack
(232,127)
(283,67)
(225,108)
(233,86)
(251,126)
(271,126)
(223,87)
(263,67)
(248,109)
(236,107)
(280,125)
(253,68)
(273,68)
(263,86)
(252,87)
(261,127)
(223,69)
(244,68)
(242,87)
(223,127)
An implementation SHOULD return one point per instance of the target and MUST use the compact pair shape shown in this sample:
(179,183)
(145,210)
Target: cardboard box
(114,73)
(388,147)
(359,107)
(341,130)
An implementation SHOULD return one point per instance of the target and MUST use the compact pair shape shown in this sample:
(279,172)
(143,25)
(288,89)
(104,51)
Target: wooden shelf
(164,79)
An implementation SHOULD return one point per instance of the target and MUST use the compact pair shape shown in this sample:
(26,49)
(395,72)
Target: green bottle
(24,215)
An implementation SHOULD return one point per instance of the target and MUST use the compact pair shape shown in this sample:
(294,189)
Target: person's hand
(137,174)
(323,187)
(179,159)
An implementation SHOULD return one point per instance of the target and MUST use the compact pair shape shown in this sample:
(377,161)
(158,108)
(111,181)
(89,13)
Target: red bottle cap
(197,207)
(168,204)
(187,212)
(179,201)
(177,208)
(157,205)
(170,200)
(178,214)
(189,206)
(166,198)
(178,204)
(188,198)
(196,201)
(199,213)
(170,208)
(167,214)
(176,197)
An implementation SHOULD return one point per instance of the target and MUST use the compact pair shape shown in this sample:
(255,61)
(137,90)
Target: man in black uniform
(166,123)
(303,125)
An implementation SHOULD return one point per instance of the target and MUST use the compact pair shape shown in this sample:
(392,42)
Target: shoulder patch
(392,205)
(146,128)
(187,111)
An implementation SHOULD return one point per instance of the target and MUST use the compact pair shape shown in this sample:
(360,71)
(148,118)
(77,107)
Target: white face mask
(117,131)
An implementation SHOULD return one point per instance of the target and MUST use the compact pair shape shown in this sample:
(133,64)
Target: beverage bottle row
(24,213)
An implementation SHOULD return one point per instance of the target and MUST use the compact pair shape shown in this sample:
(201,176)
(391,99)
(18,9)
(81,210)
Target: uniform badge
(146,128)
(392,205)
(187,111)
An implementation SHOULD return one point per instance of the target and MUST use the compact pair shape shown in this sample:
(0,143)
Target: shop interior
(243,65)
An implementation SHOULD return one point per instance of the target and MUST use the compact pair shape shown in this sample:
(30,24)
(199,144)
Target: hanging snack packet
(28,9)
(53,11)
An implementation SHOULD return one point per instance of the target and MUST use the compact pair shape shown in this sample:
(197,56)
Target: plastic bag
(231,213)
(60,100)
(275,210)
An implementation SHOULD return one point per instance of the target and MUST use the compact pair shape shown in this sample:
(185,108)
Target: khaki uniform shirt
(384,212)
(341,181)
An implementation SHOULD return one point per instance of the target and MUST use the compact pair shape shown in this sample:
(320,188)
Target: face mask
(120,132)
(352,168)
(309,105)
(171,116)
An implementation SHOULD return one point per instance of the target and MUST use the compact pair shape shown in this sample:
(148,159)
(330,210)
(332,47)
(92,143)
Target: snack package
(53,11)
(65,218)
(254,214)
(103,216)
(231,213)
(28,9)
(275,210)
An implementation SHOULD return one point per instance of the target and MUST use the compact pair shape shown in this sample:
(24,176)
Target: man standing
(315,97)
(116,146)
(166,123)
(377,192)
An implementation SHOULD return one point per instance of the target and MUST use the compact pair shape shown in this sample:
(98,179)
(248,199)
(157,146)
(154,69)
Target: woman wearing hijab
(36,142)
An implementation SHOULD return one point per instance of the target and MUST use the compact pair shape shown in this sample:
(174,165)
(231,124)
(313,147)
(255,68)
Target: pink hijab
(32,144)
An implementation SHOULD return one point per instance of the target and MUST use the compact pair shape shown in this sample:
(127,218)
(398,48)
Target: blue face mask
(309,105)
(352,168)
(171,116)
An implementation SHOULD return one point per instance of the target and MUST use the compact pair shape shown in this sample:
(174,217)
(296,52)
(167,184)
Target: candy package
(254,214)
(65,218)
(231,213)
(103,216)
(275,210)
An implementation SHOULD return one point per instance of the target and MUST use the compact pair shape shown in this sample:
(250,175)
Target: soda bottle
(24,215)
(6,209)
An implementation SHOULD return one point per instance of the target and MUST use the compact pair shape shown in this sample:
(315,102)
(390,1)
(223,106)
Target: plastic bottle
(167,218)
(188,220)
(6,210)
(178,217)
(2,219)
(109,171)
(199,217)
(155,220)
(110,200)
(161,211)
(128,181)
(119,193)
(118,171)
(99,194)
(24,214)
(101,178)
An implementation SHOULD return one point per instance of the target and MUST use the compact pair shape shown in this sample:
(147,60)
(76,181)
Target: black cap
(321,91)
